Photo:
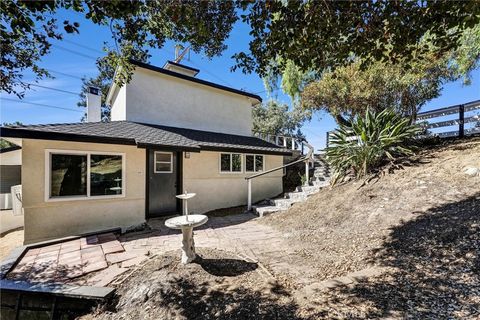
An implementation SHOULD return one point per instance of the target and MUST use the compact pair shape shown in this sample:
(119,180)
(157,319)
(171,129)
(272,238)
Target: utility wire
(82,46)
(74,52)
(64,74)
(54,89)
(40,104)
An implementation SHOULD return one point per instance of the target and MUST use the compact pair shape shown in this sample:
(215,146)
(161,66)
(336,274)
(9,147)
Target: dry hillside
(420,225)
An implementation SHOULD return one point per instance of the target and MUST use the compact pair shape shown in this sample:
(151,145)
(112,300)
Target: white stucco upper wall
(156,98)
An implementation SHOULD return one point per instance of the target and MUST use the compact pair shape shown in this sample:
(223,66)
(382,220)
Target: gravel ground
(421,223)
(219,285)
(9,241)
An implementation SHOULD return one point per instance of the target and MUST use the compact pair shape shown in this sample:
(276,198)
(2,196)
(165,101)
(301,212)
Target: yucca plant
(369,141)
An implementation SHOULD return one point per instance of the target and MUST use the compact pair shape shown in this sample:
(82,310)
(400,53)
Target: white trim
(230,172)
(169,162)
(48,174)
(254,162)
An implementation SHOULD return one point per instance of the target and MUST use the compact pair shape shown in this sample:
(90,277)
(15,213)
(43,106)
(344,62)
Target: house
(169,132)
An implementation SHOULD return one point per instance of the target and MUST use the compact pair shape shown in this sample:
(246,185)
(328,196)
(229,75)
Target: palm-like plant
(368,141)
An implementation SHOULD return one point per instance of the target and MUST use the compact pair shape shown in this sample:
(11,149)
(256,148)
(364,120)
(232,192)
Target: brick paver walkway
(241,233)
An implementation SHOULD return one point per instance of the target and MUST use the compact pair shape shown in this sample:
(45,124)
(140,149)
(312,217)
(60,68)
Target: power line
(74,52)
(82,46)
(64,74)
(54,89)
(40,104)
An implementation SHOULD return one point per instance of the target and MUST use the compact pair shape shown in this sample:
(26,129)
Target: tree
(348,91)
(322,35)
(28,27)
(314,35)
(4,143)
(276,118)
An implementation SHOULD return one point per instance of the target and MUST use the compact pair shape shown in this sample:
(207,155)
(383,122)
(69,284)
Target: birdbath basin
(186,223)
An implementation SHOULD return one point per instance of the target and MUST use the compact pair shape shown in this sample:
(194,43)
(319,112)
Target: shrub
(367,142)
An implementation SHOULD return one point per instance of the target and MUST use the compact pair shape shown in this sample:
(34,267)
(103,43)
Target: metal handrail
(306,159)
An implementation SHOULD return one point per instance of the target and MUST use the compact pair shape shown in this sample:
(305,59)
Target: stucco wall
(118,109)
(152,97)
(9,222)
(47,220)
(201,174)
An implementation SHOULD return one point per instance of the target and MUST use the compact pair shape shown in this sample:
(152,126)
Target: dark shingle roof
(144,135)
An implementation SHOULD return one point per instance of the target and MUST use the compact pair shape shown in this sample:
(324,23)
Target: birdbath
(186,223)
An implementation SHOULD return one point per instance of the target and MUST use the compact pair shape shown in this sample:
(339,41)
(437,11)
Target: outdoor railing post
(461,119)
(307,173)
(249,195)
(293,143)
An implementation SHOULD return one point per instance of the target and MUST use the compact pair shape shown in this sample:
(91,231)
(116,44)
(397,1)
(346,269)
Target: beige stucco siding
(52,219)
(201,174)
(155,98)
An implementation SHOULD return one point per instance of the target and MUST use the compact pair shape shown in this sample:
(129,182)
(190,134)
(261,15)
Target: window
(69,175)
(254,162)
(163,162)
(105,174)
(231,162)
(83,174)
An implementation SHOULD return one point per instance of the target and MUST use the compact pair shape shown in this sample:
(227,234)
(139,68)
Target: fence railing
(287,141)
(424,119)
(465,116)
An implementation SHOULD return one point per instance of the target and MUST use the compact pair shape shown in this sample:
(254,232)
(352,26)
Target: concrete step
(284,202)
(308,189)
(297,196)
(264,210)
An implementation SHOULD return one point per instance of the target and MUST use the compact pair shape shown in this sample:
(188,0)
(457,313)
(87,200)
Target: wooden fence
(465,114)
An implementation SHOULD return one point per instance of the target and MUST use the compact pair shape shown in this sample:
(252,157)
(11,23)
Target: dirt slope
(422,223)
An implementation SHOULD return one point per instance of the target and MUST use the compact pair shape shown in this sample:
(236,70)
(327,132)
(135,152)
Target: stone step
(297,196)
(284,202)
(264,210)
(308,189)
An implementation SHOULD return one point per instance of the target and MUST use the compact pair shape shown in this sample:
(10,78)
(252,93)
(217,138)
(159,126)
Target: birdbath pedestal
(186,223)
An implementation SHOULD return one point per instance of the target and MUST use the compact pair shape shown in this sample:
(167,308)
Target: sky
(74,58)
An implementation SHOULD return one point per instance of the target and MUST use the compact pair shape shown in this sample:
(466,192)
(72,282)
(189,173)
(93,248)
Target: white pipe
(249,195)
(307,172)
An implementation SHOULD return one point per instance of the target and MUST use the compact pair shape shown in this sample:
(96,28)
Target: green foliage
(322,35)
(28,28)
(467,56)
(5,144)
(303,178)
(348,91)
(369,141)
(276,118)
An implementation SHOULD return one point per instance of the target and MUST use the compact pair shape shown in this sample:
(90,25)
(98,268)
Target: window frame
(48,175)
(231,158)
(155,161)
(254,164)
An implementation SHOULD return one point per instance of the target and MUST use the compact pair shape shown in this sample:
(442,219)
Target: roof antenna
(180,55)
